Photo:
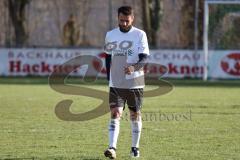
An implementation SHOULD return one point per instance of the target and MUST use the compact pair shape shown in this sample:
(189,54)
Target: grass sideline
(208,127)
(78,80)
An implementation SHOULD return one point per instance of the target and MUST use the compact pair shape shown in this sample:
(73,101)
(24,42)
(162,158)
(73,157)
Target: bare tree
(86,9)
(17,15)
(151,19)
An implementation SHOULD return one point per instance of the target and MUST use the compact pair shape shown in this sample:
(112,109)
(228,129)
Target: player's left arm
(137,66)
(141,62)
(142,56)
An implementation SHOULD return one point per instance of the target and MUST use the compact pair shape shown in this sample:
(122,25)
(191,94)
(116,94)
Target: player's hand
(129,69)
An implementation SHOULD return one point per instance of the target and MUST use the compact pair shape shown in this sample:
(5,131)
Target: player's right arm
(108,58)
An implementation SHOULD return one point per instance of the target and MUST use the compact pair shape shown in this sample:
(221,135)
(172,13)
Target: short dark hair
(126,10)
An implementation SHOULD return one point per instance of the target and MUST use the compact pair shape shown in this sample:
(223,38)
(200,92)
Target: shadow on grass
(76,158)
(102,81)
(55,158)
(201,83)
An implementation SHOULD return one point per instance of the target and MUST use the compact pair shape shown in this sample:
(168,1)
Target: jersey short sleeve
(124,49)
(143,44)
(105,49)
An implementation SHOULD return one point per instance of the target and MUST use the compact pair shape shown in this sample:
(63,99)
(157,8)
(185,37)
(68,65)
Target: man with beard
(127,50)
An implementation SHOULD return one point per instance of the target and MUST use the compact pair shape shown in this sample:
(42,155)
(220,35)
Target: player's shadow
(91,158)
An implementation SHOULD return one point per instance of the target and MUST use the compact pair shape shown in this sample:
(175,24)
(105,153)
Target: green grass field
(31,130)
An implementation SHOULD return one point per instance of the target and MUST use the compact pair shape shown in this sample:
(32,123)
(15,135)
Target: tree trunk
(151,19)
(147,19)
(17,15)
(155,20)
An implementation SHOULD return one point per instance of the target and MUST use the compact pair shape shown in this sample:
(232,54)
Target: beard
(125,29)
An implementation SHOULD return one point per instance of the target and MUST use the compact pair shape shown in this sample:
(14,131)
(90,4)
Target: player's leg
(135,104)
(136,125)
(114,126)
(113,131)
(116,102)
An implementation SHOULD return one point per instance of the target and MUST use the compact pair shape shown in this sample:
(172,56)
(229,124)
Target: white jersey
(125,48)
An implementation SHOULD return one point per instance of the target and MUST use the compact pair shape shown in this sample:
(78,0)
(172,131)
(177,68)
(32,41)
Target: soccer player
(127,50)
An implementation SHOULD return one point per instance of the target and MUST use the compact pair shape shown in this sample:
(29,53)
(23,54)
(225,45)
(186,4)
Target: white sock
(114,127)
(136,132)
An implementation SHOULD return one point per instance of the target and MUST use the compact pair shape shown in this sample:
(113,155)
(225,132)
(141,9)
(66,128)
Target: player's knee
(115,113)
(135,116)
